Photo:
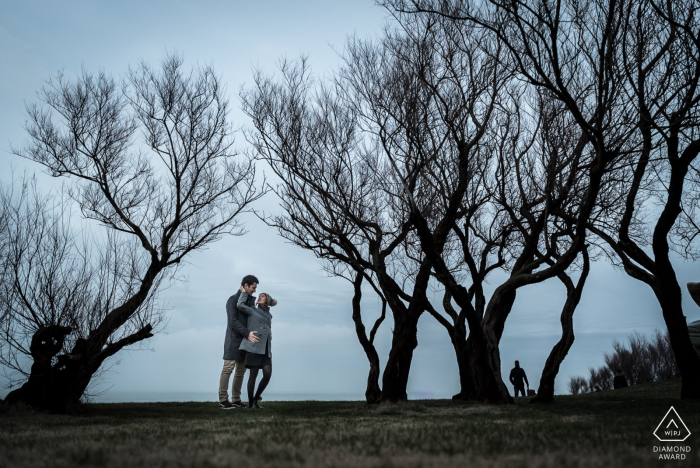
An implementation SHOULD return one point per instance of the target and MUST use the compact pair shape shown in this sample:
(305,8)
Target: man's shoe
(226,405)
(237,404)
(254,405)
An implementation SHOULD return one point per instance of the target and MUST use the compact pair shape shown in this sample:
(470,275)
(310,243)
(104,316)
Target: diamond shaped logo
(672,428)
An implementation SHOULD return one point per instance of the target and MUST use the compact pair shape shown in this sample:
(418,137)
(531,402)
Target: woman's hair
(267,298)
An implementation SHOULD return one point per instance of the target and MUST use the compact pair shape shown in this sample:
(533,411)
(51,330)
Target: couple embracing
(247,344)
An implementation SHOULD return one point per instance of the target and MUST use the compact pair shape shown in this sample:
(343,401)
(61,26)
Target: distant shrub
(578,385)
(646,360)
(600,379)
(642,360)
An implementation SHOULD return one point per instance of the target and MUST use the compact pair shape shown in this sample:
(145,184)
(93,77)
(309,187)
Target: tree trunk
(405,334)
(488,361)
(462,345)
(48,387)
(373,393)
(464,352)
(477,377)
(666,287)
(490,386)
(668,292)
(404,341)
(545,392)
(54,386)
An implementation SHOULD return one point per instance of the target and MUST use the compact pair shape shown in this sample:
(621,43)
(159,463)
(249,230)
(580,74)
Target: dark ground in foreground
(606,429)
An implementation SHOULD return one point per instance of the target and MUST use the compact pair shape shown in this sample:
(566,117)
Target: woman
(258,355)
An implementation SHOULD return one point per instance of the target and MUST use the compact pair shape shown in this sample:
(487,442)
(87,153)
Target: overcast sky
(316,351)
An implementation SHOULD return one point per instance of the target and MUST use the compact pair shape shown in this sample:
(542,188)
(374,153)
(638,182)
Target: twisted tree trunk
(487,360)
(668,292)
(48,385)
(464,350)
(57,382)
(373,393)
(56,387)
(665,284)
(405,334)
(545,392)
(398,366)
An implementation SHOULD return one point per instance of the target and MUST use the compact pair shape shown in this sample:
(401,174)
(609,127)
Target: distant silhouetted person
(517,374)
(619,381)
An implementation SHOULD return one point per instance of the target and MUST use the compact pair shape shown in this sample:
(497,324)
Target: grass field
(606,429)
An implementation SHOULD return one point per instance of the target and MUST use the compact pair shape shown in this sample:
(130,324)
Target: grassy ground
(606,429)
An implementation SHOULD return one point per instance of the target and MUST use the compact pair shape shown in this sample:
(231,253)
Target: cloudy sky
(316,352)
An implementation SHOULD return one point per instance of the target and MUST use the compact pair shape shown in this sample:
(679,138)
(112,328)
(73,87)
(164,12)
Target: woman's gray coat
(259,320)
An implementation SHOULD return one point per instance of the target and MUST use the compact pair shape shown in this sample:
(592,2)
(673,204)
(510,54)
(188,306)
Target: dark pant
(519,388)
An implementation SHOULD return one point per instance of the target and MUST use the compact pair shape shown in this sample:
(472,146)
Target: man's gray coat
(259,320)
(236,328)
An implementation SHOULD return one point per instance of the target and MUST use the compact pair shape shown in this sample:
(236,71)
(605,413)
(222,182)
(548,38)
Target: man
(517,374)
(619,381)
(236,331)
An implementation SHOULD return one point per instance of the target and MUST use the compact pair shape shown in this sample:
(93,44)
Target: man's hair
(249,279)
(517,363)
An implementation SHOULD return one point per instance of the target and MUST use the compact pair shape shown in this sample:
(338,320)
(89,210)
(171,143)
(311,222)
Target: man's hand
(241,289)
(252,338)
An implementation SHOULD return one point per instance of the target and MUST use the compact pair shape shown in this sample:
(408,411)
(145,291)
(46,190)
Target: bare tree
(498,195)
(646,53)
(661,48)
(186,196)
(534,178)
(57,284)
(428,106)
(642,360)
(577,385)
(454,140)
(335,204)
(419,124)
(572,66)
